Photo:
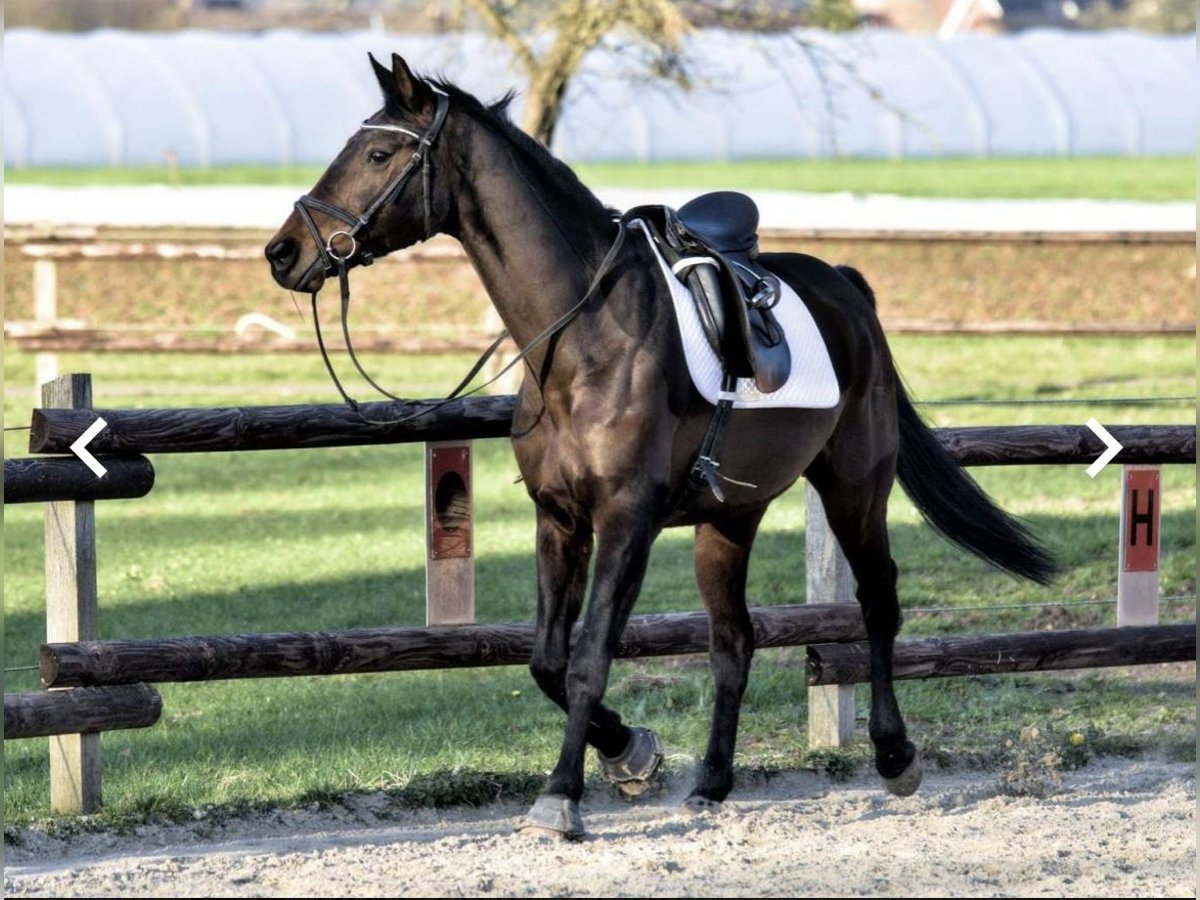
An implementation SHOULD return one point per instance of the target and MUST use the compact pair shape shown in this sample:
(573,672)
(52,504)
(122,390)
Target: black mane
(494,116)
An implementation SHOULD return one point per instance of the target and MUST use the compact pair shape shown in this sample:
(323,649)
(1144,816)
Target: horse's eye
(378,156)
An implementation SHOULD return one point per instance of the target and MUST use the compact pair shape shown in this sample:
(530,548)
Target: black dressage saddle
(711,244)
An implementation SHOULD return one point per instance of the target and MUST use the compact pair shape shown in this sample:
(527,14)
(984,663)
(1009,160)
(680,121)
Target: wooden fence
(48,334)
(298,426)
(98,685)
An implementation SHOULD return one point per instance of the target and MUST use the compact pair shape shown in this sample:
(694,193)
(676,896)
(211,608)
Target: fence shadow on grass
(933,573)
(438,736)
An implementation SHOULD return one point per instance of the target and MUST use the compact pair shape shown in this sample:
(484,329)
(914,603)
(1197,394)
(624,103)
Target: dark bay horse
(608,421)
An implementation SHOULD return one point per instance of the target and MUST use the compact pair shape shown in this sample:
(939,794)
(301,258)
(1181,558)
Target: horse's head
(379,193)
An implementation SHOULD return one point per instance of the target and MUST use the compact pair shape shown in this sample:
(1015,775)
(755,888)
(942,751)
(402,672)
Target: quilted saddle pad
(812,383)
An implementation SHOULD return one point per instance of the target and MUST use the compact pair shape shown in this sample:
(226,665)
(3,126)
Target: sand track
(1116,828)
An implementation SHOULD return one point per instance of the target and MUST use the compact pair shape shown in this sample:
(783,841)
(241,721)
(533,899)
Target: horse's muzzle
(283,253)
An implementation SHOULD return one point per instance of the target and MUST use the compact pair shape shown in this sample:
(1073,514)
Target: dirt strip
(1116,828)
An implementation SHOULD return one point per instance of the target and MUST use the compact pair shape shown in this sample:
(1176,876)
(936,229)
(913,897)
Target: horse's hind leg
(722,561)
(857,514)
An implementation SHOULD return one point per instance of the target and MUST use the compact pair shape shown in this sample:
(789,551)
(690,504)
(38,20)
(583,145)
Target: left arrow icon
(79,448)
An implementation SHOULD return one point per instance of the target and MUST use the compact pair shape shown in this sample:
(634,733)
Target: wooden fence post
(450,544)
(71,605)
(829,580)
(45,314)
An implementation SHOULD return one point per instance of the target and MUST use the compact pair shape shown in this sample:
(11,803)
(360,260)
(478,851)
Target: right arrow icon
(1111,447)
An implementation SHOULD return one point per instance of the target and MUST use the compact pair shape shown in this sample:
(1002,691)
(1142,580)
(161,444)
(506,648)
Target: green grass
(1102,178)
(1124,178)
(334,539)
(68,176)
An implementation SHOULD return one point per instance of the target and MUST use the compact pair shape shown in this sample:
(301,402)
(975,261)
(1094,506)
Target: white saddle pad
(812,383)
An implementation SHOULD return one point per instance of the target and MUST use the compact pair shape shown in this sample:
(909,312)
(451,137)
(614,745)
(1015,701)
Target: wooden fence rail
(290,427)
(336,425)
(93,663)
(1031,651)
(33,480)
(80,710)
(1024,445)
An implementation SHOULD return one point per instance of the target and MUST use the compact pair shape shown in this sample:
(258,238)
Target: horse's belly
(762,455)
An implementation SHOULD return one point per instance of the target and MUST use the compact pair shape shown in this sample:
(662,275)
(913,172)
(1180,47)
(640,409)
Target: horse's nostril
(282,253)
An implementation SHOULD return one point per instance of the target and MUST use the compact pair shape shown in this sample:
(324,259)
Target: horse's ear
(384,76)
(412,92)
(402,90)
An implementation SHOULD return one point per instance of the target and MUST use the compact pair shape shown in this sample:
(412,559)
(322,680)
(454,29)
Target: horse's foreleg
(562,566)
(722,562)
(624,535)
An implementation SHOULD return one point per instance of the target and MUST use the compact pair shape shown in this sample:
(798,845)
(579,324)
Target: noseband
(331,258)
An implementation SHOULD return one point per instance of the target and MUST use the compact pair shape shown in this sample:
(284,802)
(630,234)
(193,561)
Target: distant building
(973,16)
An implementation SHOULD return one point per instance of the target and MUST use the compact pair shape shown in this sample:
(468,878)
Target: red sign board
(1140,508)
(450,506)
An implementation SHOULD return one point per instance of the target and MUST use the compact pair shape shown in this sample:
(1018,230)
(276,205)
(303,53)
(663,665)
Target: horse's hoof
(556,814)
(906,783)
(696,805)
(633,770)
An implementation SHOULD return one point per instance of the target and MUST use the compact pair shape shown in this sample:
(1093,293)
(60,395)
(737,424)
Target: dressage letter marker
(1137,579)
(79,448)
(1111,444)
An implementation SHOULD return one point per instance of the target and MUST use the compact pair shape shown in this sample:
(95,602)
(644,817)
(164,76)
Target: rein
(333,260)
(550,331)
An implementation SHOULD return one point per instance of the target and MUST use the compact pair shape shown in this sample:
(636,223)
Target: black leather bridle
(330,257)
(332,260)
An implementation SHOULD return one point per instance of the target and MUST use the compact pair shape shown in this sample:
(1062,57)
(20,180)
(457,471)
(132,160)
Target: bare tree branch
(550,42)
(574,28)
(502,28)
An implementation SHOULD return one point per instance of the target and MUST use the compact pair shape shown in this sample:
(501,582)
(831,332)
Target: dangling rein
(460,391)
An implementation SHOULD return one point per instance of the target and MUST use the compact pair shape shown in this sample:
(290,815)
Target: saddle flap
(713,257)
(772,359)
(742,331)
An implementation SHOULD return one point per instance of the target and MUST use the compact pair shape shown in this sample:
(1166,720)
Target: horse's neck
(534,248)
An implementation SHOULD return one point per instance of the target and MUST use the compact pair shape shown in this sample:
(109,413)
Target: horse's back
(843,306)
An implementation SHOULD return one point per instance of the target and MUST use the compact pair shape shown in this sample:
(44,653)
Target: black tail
(950,499)
(957,507)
